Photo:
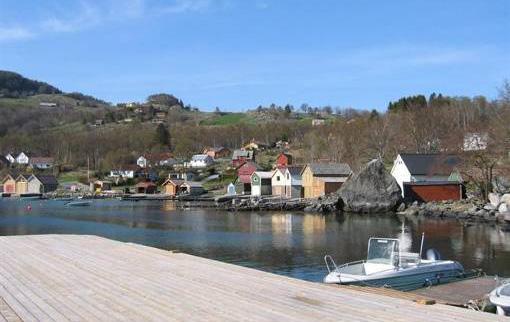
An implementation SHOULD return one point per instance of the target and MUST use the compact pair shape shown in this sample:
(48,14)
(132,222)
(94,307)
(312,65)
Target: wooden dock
(88,278)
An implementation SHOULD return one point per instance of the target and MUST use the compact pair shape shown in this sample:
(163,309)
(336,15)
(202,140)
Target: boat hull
(403,280)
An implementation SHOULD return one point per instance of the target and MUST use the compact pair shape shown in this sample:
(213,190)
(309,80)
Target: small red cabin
(244,173)
(433,191)
(283,160)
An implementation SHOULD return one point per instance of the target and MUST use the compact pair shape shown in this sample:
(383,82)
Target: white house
(475,141)
(142,162)
(126,172)
(201,161)
(286,182)
(11,158)
(22,158)
(261,183)
(279,182)
(409,167)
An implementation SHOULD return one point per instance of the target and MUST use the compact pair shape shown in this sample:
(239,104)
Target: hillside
(14,85)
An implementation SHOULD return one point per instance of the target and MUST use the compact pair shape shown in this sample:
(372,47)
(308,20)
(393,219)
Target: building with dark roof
(425,168)
(319,179)
(42,183)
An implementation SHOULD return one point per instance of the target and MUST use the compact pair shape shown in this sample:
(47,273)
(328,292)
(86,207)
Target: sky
(238,54)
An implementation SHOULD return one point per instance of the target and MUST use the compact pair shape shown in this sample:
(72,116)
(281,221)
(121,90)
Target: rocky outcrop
(371,190)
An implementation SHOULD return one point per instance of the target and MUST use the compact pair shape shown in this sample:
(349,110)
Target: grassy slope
(229,119)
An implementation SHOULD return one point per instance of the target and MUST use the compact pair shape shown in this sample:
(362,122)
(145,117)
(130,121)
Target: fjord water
(287,243)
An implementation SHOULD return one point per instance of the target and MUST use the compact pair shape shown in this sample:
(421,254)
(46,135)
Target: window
(277,178)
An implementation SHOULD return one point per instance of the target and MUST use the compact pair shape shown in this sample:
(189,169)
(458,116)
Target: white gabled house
(201,161)
(412,167)
(10,157)
(286,182)
(142,162)
(22,158)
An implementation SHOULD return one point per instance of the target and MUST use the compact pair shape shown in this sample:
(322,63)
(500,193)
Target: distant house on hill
(201,161)
(318,122)
(255,145)
(319,179)
(436,171)
(239,157)
(217,152)
(42,163)
(156,160)
(283,160)
(475,141)
(11,158)
(42,183)
(128,171)
(282,145)
(22,158)
(47,104)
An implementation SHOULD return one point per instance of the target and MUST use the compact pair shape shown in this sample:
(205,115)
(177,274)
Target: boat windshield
(383,251)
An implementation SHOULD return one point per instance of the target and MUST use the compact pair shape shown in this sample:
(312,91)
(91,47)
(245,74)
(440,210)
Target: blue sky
(237,54)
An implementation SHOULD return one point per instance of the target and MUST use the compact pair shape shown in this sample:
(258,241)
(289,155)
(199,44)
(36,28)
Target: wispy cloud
(181,6)
(15,33)
(88,16)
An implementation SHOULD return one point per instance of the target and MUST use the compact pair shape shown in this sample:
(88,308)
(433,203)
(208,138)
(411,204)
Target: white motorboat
(500,297)
(387,266)
(79,203)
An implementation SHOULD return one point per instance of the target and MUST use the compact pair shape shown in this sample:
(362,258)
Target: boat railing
(329,260)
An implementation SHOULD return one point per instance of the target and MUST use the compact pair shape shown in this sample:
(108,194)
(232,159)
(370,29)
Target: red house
(283,160)
(433,191)
(239,157)
(244,173)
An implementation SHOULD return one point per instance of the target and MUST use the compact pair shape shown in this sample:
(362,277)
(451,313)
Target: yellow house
(21,184)
(319,179)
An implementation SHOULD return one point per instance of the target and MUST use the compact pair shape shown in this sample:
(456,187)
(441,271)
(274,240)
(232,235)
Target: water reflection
(286,243)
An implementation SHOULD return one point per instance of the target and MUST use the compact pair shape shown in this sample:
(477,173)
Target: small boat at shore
(387,266)
(78,203)
(500,297)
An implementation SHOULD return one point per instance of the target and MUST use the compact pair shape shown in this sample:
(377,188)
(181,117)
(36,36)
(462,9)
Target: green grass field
(229,119)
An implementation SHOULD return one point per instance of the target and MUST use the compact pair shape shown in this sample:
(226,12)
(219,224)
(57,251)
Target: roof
(430,164)
(244,178)
(126,167)
(46,179)
(264,174)
(242,154)
(295,169)
(175,182)
(333,179)
(200,157)
(4,160)
(36,160)
(330,169)
(192,184)
(432,183)
(145,184)
(216,149)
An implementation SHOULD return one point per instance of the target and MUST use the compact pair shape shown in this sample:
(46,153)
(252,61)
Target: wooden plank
(7,314)
(68,277)
(461,292)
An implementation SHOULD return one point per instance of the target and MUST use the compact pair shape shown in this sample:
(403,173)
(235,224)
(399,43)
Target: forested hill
(13,85)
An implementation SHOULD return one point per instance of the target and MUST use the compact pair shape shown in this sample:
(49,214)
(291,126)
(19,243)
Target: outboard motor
(433,255)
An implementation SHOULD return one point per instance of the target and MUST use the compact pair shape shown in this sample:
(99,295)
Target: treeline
(13,85)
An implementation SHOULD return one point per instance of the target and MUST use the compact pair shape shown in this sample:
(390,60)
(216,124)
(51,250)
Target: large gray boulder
(371,190)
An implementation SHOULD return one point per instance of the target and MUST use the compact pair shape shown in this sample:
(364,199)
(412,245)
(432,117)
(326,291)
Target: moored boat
(387,266)
(79,203)
(500,297)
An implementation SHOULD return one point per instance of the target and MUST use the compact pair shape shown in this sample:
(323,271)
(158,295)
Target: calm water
(287,243)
